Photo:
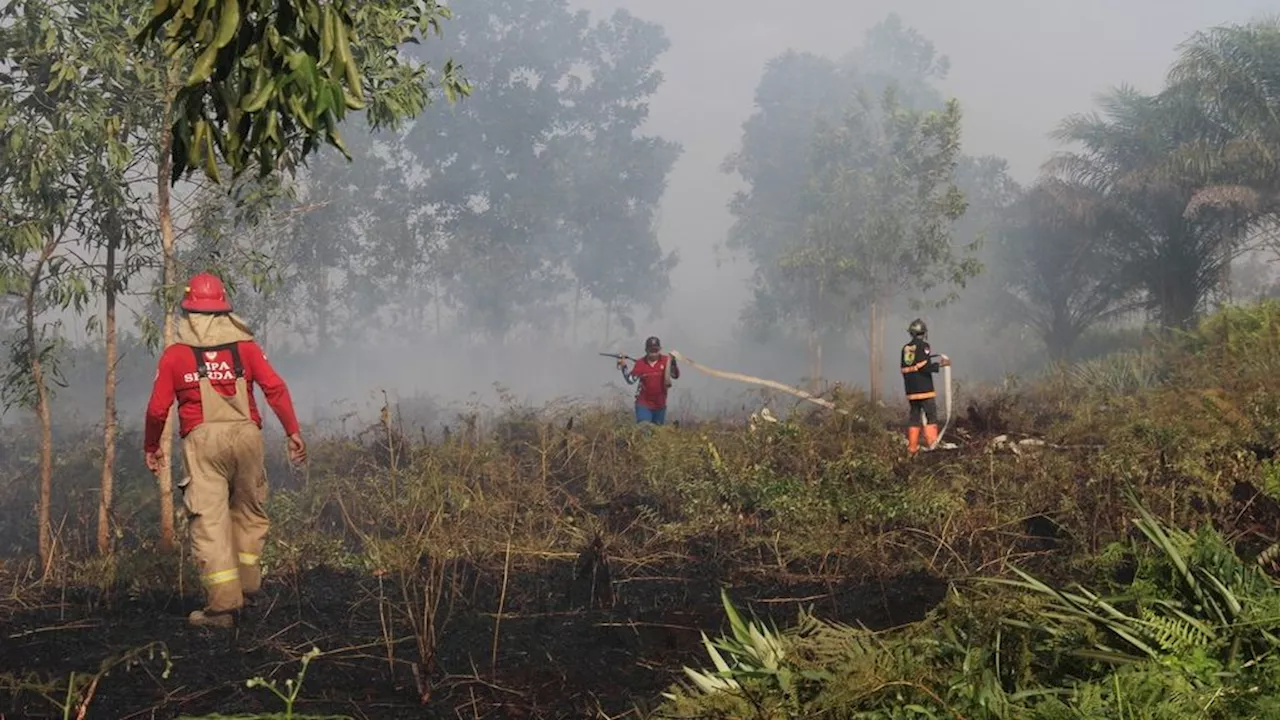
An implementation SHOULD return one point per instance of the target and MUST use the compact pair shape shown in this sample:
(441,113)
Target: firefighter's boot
(205,618)
(913,440)
(930,435)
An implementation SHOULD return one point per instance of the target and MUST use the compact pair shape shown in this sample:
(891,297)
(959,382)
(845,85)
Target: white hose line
(752,380)
(946,382)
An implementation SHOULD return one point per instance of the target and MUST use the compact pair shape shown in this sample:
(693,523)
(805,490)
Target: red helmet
(205,294)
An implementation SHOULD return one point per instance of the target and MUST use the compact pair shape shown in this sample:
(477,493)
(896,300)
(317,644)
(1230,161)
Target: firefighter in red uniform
(210,371)
(918,366)
(654,373)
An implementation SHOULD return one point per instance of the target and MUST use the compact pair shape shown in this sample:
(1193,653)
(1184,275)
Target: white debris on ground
(1017,447)
(756,418)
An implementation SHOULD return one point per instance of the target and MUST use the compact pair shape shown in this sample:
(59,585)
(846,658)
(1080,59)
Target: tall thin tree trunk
(43,412)
(817,364)
(109,417)
(875,350)
(815,340)
(46,459)
(164,173)
(815,357)
(577,300)
(436,302)
(320,306)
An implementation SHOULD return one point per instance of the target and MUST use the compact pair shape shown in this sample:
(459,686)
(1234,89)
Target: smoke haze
(1017,68)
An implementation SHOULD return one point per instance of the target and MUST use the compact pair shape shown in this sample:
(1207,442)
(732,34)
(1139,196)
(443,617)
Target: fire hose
(797,392)
(946,384)
(753,380)
(739,377)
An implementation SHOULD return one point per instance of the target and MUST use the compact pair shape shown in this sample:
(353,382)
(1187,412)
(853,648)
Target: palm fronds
(1209,601)
(1193,636)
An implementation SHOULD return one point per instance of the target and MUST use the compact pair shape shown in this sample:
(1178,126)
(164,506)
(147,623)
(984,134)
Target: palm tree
(1177,258)
(1062,274)
(1230,77)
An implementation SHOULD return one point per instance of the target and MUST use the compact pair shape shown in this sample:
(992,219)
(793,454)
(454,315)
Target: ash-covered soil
(557,656)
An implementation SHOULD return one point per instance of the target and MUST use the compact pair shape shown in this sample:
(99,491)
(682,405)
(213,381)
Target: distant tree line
(859,199)
(306,159)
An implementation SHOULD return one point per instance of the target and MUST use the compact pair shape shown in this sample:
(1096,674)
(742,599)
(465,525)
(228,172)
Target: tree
(60,147)
(796,90)
(616,177)
(1178,258)
(796,94)
(809,285)
(263,233)
(897,56)
(165,157)
(142,92)
(140,88)
(1061,273)
(541,182)
(498,213)
(884,199)
(269,82)
(132,96)
(1229,77)
(991,196)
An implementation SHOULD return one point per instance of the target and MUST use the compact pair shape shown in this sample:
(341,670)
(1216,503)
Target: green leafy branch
(266,76)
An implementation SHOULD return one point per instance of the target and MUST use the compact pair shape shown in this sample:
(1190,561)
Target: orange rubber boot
(930,435)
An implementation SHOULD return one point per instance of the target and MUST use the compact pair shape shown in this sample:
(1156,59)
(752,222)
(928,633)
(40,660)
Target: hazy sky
(1017,67)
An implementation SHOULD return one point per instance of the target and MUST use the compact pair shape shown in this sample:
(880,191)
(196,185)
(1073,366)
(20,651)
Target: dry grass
(507,508)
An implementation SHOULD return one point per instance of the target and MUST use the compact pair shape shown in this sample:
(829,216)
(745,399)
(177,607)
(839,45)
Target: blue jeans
(649,415)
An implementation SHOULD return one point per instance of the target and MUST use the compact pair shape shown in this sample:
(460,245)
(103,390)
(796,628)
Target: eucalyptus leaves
(271,81)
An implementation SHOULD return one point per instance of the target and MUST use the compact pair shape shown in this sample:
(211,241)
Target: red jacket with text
(176,377)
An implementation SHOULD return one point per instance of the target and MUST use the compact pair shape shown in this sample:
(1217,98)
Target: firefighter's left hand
(155,461)
(944,361)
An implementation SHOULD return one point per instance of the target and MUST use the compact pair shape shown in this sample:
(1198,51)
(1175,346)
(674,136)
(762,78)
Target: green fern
(1176,635)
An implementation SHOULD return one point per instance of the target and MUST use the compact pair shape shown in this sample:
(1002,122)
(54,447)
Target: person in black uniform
(918,367)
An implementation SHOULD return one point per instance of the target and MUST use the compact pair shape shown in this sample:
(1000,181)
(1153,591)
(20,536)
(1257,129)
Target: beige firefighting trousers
(225,497)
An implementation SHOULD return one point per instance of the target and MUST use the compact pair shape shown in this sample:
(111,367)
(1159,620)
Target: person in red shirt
(654,373)
(209,371)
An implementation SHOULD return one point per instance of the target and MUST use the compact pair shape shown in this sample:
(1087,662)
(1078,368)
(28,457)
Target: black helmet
(652,344)
(917,328)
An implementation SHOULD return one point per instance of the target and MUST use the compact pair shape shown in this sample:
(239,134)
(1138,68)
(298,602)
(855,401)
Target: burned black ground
(553,660)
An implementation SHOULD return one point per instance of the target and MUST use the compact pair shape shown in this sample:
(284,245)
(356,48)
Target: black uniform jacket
(918,368)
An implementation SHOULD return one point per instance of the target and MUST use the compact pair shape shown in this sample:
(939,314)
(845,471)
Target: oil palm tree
(1062,273)
(1123,169)
(1230,78)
